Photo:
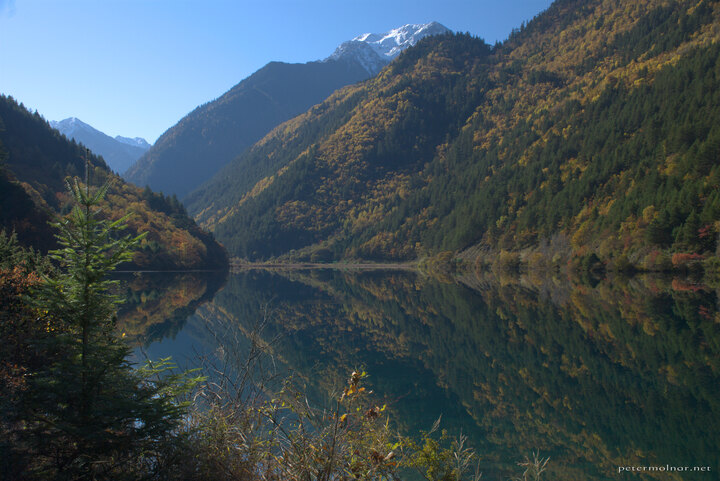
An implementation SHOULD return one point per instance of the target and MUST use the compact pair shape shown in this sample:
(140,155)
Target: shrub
(284,438)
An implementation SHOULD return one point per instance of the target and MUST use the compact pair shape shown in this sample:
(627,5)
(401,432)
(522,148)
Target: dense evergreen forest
(591,133)
(35,162)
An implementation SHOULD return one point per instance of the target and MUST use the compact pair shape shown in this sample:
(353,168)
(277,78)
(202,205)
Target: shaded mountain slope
(593,128)
(19,214)
(38,161)
(119,153)
(207,138)
(213,134)
(364,141)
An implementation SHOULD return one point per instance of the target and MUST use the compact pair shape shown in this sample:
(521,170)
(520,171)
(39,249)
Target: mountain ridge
(119,152)
(587,133)
(210,136)
(135,141)
(386,46)
(37,160)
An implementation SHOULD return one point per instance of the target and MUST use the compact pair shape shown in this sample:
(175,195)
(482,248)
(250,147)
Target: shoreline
(236,265)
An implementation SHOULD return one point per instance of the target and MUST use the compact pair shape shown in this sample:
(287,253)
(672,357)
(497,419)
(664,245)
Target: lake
(599,375)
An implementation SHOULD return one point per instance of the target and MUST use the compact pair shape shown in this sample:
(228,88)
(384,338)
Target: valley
(423,251)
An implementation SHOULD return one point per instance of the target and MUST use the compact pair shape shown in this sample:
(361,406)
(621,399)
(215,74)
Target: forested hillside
(38,159)
(210,136)
(592,131)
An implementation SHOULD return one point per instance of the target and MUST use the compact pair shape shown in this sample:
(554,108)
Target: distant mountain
(35,160)
(193,150)
(119,153)
(592,135)
(135,141)
(375,50)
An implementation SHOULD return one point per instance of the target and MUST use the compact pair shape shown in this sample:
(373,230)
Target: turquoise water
(602,376)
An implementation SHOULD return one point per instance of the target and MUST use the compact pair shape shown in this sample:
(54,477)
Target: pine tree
(91,414)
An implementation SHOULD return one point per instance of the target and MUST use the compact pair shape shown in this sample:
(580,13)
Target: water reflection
(158,304)
(621,372)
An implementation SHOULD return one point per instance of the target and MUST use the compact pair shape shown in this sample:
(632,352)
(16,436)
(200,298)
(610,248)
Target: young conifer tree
(93,415)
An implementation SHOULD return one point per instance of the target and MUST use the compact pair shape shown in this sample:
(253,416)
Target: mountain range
(375,50)
(119,153)
(209,137)
(590,133)
(36,160)
(589,137)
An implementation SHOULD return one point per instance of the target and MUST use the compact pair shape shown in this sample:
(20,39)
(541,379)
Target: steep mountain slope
(592,130)
(19,214)
(119,152)
(38,159)
(209,137)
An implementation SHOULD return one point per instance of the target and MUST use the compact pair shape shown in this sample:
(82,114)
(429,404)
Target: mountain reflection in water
(621,372)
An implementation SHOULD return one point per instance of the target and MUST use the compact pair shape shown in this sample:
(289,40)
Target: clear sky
(136,67)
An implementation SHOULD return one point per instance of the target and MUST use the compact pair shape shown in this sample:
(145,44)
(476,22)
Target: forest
(589,136)
(216,131)
(74,407)
(35,160)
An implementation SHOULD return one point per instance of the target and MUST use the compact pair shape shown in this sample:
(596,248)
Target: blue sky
(136,67)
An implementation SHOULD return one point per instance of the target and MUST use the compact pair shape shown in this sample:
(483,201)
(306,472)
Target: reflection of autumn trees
(594,376)
(625,366)
(157,305)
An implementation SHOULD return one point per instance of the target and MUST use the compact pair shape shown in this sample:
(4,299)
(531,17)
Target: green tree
(89,414)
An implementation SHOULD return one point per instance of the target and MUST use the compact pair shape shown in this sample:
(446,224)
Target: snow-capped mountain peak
(375,50)
(135,141)
(391,43)
(72,126)
(119,153)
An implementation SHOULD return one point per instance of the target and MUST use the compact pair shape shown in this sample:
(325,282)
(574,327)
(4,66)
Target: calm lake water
(596,375)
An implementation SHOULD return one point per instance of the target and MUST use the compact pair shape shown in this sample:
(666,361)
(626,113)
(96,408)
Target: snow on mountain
(119,153)
(135,141)
(72,126)
(362,53)
(375,50)
(391,43)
